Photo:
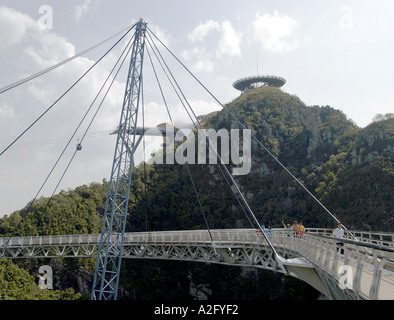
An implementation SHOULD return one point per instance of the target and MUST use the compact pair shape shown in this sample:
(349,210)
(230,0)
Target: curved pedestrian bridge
(363,268)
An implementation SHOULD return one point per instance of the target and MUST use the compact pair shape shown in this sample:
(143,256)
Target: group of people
(297,227)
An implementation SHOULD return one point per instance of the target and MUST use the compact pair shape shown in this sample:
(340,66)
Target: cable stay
(212,149)
(98,109)
(56,140)
(196,122)
(124,54)
(38,74)
(173,125)
(185,160)
(244,127)
(127,48)
(67,91)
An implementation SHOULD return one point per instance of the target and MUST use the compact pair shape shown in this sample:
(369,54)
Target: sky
(337,53)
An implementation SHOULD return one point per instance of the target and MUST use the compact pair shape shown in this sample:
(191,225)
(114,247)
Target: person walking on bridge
(295,227)
(287,228)
(301,228)
(338,234)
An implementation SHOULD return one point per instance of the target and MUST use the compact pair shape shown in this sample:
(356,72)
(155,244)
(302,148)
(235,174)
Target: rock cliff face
(375,140)
(292,131)
(78,279)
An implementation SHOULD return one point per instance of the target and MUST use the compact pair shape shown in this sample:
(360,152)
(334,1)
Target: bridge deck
(368,257)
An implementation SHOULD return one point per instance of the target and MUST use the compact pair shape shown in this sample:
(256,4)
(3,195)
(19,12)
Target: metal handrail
(377,240)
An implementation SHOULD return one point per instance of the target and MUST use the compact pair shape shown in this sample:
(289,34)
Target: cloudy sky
(336,53)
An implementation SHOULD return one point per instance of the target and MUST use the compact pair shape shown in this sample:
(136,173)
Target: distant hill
(349,169)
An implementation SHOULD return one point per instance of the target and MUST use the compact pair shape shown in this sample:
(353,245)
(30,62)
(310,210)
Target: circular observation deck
(250,83)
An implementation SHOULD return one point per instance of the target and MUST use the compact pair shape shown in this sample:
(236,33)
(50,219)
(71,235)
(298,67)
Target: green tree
(18,284)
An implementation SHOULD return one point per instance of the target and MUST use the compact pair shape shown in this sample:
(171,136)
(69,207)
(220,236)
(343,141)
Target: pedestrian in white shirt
(338,234)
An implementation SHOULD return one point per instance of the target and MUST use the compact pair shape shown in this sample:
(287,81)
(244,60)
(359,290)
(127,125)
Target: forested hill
(349,169)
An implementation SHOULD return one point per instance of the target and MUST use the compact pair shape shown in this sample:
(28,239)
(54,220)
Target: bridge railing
(377,238)
(49,240)
(369,257)
(242,236)
(219,237)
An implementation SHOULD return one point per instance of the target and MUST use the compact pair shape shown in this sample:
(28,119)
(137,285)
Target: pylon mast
(106,277)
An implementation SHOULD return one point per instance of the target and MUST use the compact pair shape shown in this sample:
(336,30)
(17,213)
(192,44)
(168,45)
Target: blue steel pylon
(106,276)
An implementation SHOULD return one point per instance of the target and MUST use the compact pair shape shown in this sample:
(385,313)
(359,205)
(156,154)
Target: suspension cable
(243,126)
(213,149)
(68,90)
(128,47)
(253,136)
(157,79)
(172,122)
(179,97)
(182,102)
(38,74)
(144,151)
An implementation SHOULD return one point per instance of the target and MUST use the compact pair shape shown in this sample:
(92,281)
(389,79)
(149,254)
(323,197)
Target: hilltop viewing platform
(246,84)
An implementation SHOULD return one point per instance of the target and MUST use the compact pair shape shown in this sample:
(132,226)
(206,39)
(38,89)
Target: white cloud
(203,65)
(230,42)
(42,93)
(161,34)
(274,31)
(6,111)
(14,26)
(202,61)
(202,30)
(49,49)
(81,9)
